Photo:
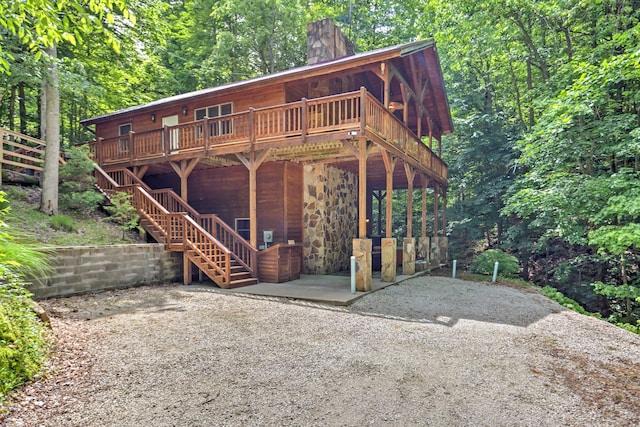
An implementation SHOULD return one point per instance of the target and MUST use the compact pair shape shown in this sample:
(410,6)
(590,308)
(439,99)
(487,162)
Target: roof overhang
(358,61)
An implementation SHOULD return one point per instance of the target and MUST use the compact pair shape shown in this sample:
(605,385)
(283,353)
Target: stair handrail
(201,243)
(210,249)
(242,250)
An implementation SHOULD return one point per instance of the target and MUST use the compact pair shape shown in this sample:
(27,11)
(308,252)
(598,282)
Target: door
(174,134)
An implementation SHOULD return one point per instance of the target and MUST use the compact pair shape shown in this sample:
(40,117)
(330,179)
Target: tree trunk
(12,108)
(51,131)
(22,106)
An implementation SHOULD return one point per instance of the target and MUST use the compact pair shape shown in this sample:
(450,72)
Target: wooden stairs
(204,239)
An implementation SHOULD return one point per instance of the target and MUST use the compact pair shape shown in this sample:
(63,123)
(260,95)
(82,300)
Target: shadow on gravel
(446,301)
(115,302)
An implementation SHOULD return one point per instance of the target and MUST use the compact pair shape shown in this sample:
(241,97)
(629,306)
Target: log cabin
(278,172)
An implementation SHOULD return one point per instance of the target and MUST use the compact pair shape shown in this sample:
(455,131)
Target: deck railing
(353,111)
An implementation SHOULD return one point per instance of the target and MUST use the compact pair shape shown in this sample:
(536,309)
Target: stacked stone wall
(82,269)
(330,218)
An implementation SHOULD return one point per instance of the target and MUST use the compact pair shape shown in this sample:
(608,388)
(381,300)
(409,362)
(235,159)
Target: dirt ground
(431,351)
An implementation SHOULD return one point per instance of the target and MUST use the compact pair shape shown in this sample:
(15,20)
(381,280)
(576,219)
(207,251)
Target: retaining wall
(82,269)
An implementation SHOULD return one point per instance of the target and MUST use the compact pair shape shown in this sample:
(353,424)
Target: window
(123,131)
(218,127)
(243,228)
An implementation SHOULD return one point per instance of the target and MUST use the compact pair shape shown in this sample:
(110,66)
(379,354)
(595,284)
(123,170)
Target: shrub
(62,222)
(122,212)
(23,344)
(484,263)
(77,183)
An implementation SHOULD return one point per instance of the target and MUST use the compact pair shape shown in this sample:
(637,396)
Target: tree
(42,25)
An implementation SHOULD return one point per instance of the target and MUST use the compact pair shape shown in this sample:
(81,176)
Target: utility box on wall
(267,236)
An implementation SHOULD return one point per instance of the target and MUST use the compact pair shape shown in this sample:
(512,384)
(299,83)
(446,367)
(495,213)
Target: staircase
(204,239)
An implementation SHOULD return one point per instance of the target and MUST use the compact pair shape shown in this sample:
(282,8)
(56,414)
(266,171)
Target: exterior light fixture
(153,117)
(184,110)
(394,105)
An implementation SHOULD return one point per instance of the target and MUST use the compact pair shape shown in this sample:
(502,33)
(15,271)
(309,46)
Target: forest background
(545,96)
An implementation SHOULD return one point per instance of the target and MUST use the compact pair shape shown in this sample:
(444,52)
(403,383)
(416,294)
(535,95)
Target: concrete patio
(328,289)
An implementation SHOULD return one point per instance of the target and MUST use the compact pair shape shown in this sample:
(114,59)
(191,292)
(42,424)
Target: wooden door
(174,135)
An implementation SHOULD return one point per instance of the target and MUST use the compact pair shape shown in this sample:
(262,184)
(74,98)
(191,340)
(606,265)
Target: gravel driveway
(430,351)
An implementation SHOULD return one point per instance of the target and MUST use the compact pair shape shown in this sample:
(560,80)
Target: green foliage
(123,212)
(484,263)
(507,264)
(30,226)
(23,342)
(20,258)
(63,222)
(77,183)
(558,297)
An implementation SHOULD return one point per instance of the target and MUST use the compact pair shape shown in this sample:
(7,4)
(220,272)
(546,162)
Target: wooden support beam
(444,212)
(350,147)
(435,211)
(184,169)
(411,174)
(139,171)
(412,93)
(362,188)
(425,183)
(389,166)
(252,163)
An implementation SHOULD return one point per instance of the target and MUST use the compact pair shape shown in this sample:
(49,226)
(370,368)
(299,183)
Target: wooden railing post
(363,110)
(252,130)
(303,117)
(166,134)
(99,152)
(205,133)
(131,135)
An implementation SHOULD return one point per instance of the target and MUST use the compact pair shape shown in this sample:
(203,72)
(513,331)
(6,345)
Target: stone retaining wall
(82,269)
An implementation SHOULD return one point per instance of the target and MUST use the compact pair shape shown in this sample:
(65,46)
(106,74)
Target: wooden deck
(312,130)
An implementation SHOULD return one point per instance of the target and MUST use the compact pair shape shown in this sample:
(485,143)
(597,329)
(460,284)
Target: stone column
(436,251)
(389,255)
(362,251)
(424,248)
(408,255)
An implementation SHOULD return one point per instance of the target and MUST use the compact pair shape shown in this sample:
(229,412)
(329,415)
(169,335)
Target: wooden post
(167,140)
(425,182)
(387,84)
(444,212)
(363,111)
(253,201)
(131,154)
(205,134)
(362,188)
(252,164)
(303,117)
(252,126)
(389,165)
(183,170)
(435,211)
(411,174)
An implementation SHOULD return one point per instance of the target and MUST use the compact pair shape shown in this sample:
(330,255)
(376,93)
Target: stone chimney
(325,42)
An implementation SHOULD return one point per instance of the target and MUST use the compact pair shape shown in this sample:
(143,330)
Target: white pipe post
(455,264)
(353,275)
(495,271)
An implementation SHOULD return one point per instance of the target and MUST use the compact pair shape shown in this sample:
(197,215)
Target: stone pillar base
(389,261)
(362,251)
(439,251)
(408,255)
(424,249)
